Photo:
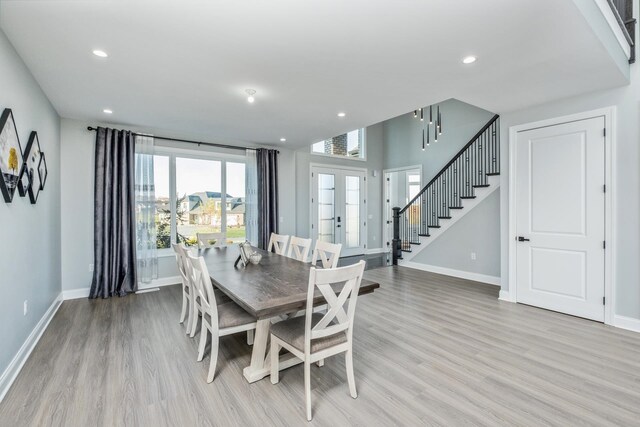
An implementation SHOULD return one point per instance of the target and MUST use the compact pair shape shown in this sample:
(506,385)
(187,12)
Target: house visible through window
(350,144)
(190,193)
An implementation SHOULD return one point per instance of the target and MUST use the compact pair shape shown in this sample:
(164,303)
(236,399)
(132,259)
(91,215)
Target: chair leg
(320,363)
(203,342)
(194,319)
(352,382)
(183,314)
(275,362)
(214,357)
(250,337)
(307,388)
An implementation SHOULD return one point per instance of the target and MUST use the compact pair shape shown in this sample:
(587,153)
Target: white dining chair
(299,248)
(205,239)
(328,253)
(279,243)
(316,336)
(187,289)
(217,320)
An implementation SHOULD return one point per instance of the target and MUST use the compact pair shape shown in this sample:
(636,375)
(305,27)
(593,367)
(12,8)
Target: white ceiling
(183,66)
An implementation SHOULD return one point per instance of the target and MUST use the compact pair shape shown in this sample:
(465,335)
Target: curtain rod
(209,144)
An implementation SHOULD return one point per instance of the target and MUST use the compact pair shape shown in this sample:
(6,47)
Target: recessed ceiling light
(283,139)
(100,53)
(469,59)
(107,111)
(250,98)
(341,114)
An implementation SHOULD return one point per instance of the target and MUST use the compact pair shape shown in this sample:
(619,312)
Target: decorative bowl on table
(255,258)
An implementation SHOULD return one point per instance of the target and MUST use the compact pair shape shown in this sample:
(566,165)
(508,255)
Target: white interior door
(560,222)
(338,213)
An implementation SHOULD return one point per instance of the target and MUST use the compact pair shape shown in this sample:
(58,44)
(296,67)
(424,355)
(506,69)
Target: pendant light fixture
(426,130)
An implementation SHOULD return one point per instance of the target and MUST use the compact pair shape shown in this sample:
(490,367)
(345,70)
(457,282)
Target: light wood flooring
(428,350)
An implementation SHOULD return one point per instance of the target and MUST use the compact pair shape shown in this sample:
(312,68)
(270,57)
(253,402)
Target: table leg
(258,368)
(260,356)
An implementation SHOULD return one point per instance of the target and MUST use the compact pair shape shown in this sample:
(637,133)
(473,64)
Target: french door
(400,186)
(338,210)
(560,217)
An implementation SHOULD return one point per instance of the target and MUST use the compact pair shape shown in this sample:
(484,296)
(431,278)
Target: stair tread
(492,173)
(444,217)
(424,235)
(456,207)
(481,185)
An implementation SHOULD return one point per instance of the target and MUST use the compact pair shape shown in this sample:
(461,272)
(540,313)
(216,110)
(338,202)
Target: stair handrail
(453,159)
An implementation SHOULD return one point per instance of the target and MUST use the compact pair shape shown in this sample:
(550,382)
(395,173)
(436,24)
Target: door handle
(522,239)
(338,219)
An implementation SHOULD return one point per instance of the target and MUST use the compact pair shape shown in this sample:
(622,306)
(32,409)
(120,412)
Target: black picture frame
(12,164)
(32,159)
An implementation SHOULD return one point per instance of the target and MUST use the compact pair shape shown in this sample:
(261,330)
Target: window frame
(173,153)
(363,143)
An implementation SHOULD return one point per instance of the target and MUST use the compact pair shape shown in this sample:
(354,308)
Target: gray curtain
(267,162)
(114,215)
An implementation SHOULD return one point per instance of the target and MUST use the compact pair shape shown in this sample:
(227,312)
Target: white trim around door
(608,113)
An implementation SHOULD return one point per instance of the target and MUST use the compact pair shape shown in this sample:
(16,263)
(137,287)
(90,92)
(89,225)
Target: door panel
(338,212)
(560,209)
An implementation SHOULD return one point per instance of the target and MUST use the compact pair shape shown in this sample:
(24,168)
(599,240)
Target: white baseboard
(156,283)
(628,323)
(505,296)
(376,251)
(75,293)
(477,277)
(12,371)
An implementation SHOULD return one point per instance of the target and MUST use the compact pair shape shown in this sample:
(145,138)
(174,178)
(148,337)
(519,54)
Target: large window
(350,144)
(198,195)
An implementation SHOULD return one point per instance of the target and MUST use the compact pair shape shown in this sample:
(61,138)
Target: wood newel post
(395,243)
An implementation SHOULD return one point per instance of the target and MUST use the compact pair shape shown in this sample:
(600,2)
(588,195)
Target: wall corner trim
(476,277)
(504,296)
(16,364)
(628,323)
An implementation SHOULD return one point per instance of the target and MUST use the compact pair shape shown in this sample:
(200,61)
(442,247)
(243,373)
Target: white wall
(30,250)
(626,189)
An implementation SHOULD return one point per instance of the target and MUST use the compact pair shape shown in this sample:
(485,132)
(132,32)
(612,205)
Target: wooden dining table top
(277,285)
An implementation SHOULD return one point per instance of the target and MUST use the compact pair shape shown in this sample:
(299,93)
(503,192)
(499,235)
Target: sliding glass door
(338,213)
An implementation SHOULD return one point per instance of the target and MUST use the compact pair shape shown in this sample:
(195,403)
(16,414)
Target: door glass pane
(326,207)
(198,198)
(235,202)
(352,219)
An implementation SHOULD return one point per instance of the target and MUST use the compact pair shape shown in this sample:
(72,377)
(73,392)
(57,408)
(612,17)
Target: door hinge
(604,188)
(604,132)
(388,179)
(604,299)
(365,223)
(604,244)
(365,178)
(365,246)
(312,226)
(311,174)
(365,201)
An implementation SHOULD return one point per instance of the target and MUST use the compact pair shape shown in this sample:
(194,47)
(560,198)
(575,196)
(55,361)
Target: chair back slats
(205,239)
(278,242)
(299,248)
(181,260)
(336,319)
(327,253)
(202,281)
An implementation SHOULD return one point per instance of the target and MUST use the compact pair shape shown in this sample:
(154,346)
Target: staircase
(469,177)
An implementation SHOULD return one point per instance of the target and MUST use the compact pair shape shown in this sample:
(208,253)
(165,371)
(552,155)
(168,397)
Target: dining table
(273,290)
